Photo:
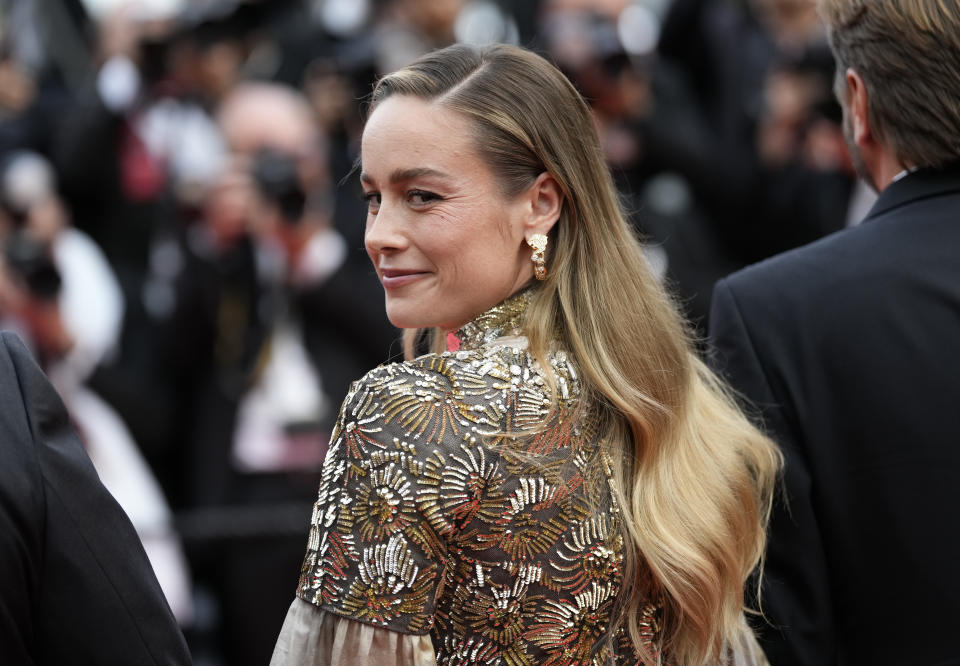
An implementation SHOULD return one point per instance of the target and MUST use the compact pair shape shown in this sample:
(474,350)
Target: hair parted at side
(908,54)
(695,478)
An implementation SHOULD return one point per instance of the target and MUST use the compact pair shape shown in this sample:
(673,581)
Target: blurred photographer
(29,292)
(70,300)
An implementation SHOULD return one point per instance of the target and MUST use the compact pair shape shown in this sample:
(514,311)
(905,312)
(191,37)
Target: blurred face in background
(227,206)
(789,22)
(435,18)
(446,243)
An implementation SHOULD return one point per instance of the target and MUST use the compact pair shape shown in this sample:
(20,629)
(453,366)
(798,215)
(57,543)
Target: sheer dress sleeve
(311,636)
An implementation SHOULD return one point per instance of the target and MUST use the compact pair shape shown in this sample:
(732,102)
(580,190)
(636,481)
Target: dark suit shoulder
(71,563)
(913,247)
(14,355)
(41,408)
(15,417)
(850,346)
(21,513)
(804,267)
(21,476)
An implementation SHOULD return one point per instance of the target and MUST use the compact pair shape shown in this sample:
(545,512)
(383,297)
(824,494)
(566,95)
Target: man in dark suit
(75,584)
(850,348)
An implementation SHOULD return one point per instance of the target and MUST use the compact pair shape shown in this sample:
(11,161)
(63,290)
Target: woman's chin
(404,318)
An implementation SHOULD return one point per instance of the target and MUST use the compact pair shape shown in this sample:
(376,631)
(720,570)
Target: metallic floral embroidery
(383,504)
(466,494)
(469,652)
(389,585)
(589,555)
(536,516)
(467,487)
(500,613)
(571,631)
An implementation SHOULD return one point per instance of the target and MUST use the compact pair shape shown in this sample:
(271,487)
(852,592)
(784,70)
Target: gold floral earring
(539,244)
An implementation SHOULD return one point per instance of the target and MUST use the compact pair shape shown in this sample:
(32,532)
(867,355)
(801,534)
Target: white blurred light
(481,23)
(657,260)
(27,180)
(344,17)
(140,9)
(668,194)
(159,298)
(658,7)
(639,29)
(118,83)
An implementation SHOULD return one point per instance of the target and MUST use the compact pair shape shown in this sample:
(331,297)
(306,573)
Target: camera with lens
(29,260)
(277,179)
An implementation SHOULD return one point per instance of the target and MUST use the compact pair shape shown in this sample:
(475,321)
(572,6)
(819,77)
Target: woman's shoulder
(431,378)
(457,371)
(431,369)
(478,391)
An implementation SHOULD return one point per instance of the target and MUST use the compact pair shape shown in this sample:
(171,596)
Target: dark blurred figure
(44,59)
(743,136)
(77,586)
(770,163)
(133,150)
(413,28)
(848,347)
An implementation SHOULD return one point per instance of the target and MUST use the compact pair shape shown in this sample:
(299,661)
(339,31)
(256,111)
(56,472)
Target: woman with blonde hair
(562,481)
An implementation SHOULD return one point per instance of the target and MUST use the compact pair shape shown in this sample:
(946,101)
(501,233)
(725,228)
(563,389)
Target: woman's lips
(395,278)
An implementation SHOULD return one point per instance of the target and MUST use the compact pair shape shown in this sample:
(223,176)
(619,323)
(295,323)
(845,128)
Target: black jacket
(75,584)
(850,348)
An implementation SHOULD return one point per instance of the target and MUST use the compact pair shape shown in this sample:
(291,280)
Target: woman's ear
(546,202)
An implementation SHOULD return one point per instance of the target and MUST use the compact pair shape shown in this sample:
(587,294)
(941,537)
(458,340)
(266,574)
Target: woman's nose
(384,231)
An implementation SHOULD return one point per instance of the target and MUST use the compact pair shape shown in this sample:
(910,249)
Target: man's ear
(546,202)
(858,108)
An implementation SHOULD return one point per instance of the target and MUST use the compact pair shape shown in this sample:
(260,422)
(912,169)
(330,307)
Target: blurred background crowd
(182,228)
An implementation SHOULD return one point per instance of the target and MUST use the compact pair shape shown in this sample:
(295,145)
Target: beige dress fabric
(313,637)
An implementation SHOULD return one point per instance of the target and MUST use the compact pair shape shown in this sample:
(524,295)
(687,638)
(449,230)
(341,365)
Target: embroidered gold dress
(461,501)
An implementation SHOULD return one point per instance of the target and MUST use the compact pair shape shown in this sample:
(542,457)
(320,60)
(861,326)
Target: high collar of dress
(501,320)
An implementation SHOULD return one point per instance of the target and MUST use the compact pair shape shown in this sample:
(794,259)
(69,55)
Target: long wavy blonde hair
(696,477)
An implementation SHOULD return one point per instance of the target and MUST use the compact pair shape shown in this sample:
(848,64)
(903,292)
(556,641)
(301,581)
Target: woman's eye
(420,197)
(373,201)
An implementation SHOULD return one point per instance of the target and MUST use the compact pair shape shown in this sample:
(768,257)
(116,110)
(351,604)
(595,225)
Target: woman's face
(446,243)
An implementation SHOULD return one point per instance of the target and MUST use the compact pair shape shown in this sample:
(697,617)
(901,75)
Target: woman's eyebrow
(402,175)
